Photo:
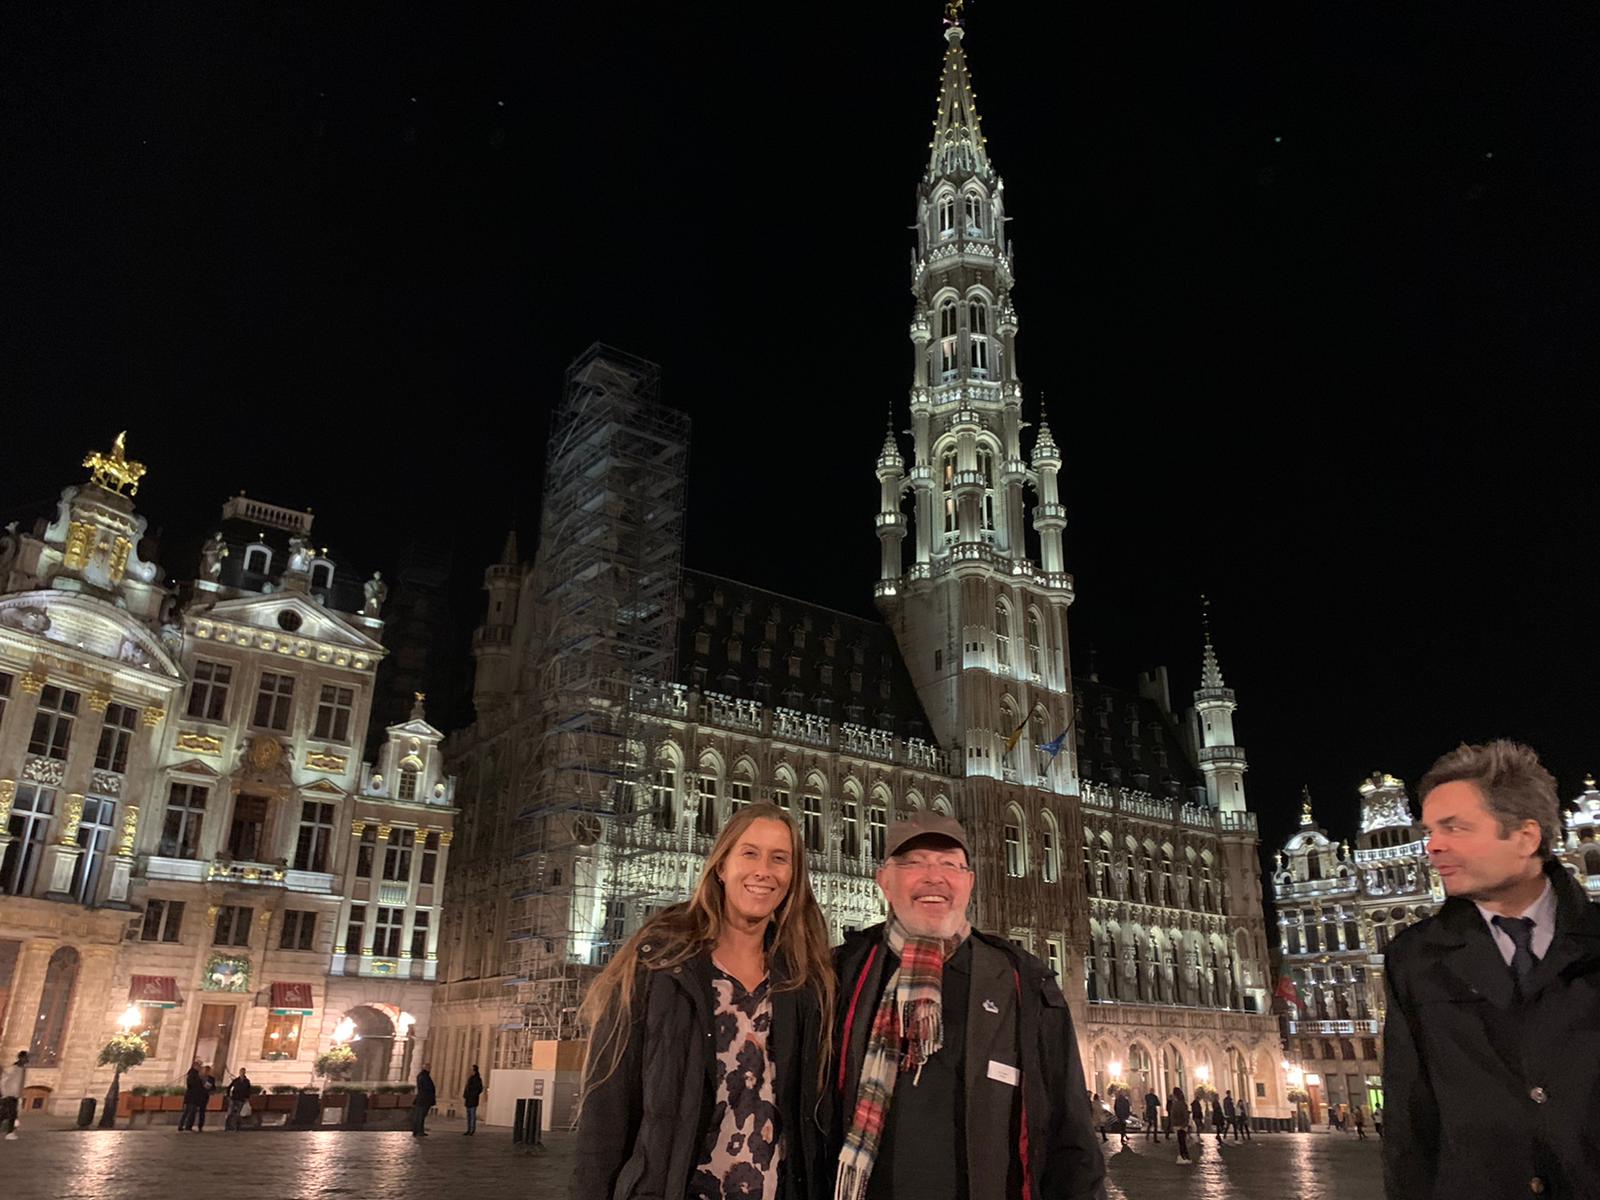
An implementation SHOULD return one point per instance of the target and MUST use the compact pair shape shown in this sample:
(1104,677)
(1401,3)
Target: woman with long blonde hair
(710,1032)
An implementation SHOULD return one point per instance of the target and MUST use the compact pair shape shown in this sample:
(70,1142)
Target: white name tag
(1005,1074)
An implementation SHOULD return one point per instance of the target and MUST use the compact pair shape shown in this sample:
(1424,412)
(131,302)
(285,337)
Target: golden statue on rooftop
(115,471)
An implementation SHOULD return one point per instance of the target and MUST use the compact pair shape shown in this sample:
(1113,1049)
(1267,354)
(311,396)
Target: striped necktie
(1520,931)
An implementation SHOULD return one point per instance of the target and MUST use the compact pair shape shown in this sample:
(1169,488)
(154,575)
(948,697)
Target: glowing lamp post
(123,1052)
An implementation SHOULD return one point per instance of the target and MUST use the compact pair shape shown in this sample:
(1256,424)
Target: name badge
(1005,1074)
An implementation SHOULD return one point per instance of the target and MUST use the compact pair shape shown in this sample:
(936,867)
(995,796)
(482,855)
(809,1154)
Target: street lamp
(126,1050)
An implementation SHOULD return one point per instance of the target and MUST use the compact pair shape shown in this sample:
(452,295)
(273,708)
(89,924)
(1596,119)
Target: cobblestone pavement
(159,1164)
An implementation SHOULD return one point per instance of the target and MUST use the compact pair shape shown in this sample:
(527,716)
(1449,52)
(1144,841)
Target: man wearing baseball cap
(958,1076)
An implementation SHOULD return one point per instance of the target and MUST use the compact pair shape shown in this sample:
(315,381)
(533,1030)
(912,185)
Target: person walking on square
(1178,1116)
(12,1081)
(194,1099)
(1197,1120)
(1219,1120)
(707,1069)
(1491,1001)
(1102,1115)
(1361,1123)
(1123,1107)
(422,1104)
(1152,1116)
(238,1098)
(1377,1120)
(1244,1118)
(208,1081)
(958,1071)
(1230,1115)
(473,1092)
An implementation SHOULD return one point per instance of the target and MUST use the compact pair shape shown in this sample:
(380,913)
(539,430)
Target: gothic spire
(1210,669)
(508,555)
(957,146)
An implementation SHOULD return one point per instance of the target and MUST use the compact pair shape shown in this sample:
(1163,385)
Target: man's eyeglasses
(922,864)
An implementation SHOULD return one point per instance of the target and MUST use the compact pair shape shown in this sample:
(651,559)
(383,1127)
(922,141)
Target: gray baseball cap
(925,823)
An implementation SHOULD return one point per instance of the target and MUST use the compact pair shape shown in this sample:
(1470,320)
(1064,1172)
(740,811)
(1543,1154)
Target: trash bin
(86,1112)
(355,1110)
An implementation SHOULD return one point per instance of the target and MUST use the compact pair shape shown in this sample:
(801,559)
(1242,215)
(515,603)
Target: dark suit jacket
(1484,1095)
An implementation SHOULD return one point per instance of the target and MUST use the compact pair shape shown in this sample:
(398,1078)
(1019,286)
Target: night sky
(1309,289)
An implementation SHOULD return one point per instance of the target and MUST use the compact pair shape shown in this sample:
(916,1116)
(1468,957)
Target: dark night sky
(340,256)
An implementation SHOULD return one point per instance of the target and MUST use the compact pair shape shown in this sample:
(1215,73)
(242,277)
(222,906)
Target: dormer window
(321,573)
(257,559)
(407,787)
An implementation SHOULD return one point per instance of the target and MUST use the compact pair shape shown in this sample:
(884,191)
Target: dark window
(365,851)
(386,939)
(31,812)
(352,930)
(208,694)
(419,935)
(55,1005)
(163,921)
(274,699)
(397,856)
(52,724)
(233,925)
(248,828)
(312,847)
(299,931)
(180,829)
(116,734)
(430,857)
(333,713)
(95,827)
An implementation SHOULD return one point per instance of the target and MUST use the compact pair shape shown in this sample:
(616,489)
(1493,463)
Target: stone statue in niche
(299,556)
(377,591)
(211,556)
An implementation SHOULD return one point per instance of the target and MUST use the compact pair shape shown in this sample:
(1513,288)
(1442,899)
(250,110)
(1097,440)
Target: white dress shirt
(1543,913)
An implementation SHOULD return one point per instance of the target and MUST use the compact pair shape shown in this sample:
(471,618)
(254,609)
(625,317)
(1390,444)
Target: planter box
(282,1104)
(382,1100)
(128,1104)
(168,1103)
(215,1102)
(335,1099)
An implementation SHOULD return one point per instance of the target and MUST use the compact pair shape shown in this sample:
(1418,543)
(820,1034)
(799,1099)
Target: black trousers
(419,1114)
(191,1114)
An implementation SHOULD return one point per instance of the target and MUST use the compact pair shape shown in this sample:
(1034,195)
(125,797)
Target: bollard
(535,1123)
(517,1121)
(86,1112)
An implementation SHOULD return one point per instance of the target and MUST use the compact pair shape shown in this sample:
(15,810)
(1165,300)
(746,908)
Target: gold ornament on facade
(98,700)
(154,715)
(319,761)
(119,558)
(199,743)
(80,537)
(447,837)
(357,828)
(32,682)
(264,754)
(383,833)
(8,795)
(71,815)
(115,471)
(130,827)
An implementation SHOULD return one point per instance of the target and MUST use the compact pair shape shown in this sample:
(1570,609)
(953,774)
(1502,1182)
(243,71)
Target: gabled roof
(80,626)
(305,619)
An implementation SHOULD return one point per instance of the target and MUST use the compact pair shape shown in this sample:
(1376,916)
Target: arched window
(664,792)
(811,827)
(986,507)
(947,472)
(321,573)
(1050,844)
(947,341)
(1035,645)
(850,821)
(1173,1072)
(1141,1071)
(974,212)
(1103,864)
(941,805)
(1016,847)
(1091,877)
(741,788)
(55,1006)
(1166,876)
(1002,637)
(1039,732)
(876,828)
(707,784)
(978,332)
(258,558)
(947,215)
(1008,753)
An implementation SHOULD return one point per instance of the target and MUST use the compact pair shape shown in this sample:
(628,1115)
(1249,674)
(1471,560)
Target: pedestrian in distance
(1123,1107)
(12,1082)
(1152,1116)
(194,1099)
(1377,1120)
(208,1080)
(1360,1122)
(471,1095)
(1102,1115)
(422,1103)
(1230,1115)
(1219,1119)
(1197,1118)
(1178,1114)
(1244,1118)
(711,1026)
(946,1030)
(1493,996)
(238,1101)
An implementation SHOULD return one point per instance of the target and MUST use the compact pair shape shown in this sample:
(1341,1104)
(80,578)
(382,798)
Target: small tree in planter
(124,1052)
(335,1063)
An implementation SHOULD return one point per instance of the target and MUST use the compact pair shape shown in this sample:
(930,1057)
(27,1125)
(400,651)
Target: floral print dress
(743,1149)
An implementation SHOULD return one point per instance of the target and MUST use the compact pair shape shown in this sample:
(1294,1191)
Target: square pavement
(49,1162)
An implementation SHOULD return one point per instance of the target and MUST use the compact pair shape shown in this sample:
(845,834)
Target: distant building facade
(188,828)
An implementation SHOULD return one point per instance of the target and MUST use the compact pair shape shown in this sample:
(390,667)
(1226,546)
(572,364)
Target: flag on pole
(1286,990)
(1054,748)
(1016,736)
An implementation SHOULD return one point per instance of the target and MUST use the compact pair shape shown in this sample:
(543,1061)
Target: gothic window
(705,819)
(31,811)
(1091,877)
(1007,733)
(95,828)
(947,341)
(850,816)
(1041,736)
(978,332)
(947,216)
(876,828)
(181,823)
(1035,645)
(50,1027)
(208,693)
(947,471)
(1002,636)
(1015,863)
(740,789)
(52,722)
(1050,844)
(974,212)
(812,827)
(986,508)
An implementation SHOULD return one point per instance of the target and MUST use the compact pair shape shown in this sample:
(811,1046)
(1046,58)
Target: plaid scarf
(907,1031)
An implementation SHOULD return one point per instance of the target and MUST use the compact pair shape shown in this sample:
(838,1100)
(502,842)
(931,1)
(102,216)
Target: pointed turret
(508,554)
(1221,759)
(1049,515)
(495,675)
(957,149)
(890,520)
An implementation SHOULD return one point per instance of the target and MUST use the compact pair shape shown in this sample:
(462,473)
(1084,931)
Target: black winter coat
(1028,1027)
(473,1090)
(194,1088)
(642,1128)
(1486,1096)
(426,1096)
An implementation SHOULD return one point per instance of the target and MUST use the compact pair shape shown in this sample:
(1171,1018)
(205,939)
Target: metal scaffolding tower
(606,579)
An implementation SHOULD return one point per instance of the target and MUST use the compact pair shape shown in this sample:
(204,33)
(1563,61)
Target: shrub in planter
(335,1063)
(284,1089)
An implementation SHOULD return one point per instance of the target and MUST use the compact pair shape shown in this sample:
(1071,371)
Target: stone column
(8,796)
(430,968)
(19,722)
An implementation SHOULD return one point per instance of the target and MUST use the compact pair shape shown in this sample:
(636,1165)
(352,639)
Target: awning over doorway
(153,991)
(290,998)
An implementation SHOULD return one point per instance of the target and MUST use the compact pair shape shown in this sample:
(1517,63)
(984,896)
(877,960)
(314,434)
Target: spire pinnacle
(1210,669)
(508,555)
(1305,806)
(957,147)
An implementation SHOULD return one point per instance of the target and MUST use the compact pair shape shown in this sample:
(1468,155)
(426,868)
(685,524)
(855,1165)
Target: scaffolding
(606,580)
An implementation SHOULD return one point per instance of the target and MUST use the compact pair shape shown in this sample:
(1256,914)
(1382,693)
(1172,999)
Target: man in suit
(958,1075)
(1491,1079)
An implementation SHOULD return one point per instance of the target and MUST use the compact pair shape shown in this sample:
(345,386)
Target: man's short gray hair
(1515,786)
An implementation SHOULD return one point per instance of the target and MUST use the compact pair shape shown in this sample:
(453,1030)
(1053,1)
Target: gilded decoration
(80,537)
(32,682)
(199,743)
(98,700)
(115,471)
(44,770)
(154,715)
(357,828)
(447,837)
(319,761)
(8,796)
(383,833)
(226,973)
(264,754)
(130,827)
(71,815)
(119,558)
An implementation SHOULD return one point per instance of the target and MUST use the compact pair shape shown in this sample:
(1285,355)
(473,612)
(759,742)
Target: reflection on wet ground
(157,1164)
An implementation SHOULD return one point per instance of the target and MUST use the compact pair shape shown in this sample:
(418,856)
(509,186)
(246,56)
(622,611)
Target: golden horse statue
(115,471)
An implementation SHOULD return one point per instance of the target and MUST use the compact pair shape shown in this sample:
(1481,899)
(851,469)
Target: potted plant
(123,1052)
